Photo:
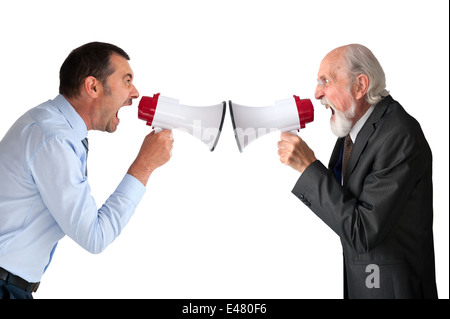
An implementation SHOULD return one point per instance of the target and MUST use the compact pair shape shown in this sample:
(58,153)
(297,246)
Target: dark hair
(91,59)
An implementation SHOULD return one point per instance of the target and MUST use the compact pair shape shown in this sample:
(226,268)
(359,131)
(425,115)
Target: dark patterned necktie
(86,146)
(348,146)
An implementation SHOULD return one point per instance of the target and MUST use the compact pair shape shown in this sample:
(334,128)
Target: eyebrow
(330,76)
(128,75)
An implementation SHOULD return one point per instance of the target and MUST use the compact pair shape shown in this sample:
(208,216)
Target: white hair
(362,61)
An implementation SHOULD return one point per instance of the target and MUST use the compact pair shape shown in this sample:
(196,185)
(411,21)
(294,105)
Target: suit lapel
(364,135)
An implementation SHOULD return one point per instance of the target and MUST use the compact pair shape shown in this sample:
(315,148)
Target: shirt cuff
(131,188)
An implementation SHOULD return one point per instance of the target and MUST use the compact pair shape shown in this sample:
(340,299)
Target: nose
(134,93)
(319,93)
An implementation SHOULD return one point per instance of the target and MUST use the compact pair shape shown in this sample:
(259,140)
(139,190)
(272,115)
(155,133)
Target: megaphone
(250,123)
(163,112)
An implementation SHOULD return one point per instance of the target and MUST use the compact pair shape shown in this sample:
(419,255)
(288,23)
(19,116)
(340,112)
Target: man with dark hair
(44,190)
(88,60)
(376,193)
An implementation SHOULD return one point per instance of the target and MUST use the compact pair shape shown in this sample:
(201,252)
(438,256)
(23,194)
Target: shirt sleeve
(58,171)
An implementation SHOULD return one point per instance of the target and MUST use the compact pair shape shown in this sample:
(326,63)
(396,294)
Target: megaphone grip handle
(157,129)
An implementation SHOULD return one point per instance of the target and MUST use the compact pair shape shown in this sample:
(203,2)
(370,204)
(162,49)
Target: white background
(224,224)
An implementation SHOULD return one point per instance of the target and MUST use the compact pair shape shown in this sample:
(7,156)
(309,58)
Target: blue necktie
(86,147)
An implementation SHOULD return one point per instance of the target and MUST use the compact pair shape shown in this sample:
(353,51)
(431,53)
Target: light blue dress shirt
(45,194)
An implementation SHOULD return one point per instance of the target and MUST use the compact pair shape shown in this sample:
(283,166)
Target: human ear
(91,86)
(362,85)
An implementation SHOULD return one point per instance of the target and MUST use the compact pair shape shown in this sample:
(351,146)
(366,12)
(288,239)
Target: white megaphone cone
(203,122)
(250,123)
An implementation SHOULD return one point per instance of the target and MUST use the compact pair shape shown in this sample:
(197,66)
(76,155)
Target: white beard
(343,121)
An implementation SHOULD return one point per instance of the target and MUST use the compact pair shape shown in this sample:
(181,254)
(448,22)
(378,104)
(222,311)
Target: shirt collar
(72,117)
(358,126)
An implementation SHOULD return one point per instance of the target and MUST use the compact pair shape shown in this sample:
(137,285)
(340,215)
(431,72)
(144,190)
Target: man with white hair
(376,193)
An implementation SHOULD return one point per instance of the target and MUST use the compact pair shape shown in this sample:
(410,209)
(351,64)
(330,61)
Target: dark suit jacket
(383,213)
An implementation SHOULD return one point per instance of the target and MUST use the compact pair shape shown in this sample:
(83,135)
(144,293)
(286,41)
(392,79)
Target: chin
(111,128)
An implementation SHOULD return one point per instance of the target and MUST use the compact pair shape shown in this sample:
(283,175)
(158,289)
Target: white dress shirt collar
(358,126)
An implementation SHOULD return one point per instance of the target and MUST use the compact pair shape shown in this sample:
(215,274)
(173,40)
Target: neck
(82,107)
(361,109)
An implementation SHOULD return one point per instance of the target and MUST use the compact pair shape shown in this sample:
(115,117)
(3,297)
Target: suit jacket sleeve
(363,211)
